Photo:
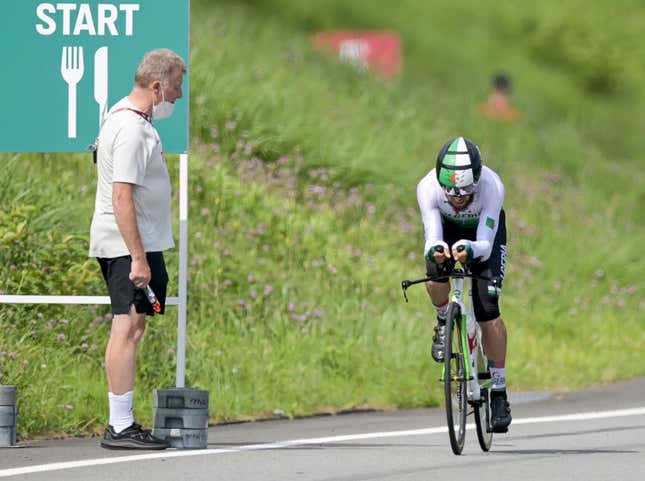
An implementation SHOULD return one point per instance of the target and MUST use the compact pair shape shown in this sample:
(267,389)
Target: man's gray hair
(158,65)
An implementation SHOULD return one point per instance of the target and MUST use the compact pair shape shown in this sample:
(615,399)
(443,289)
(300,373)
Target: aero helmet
(459,166)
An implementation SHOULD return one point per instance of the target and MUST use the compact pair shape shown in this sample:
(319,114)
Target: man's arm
(488,221)
(126,219)
(429,214)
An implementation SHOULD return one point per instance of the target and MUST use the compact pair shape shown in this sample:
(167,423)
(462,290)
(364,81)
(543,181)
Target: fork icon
(72,69)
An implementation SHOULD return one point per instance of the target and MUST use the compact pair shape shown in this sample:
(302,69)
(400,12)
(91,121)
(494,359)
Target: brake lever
(404,286)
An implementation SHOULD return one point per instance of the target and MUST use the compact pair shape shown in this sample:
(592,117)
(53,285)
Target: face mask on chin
(162,110)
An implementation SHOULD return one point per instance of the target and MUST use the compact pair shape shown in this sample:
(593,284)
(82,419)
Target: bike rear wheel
(455,382)
(482,408)
(482,420)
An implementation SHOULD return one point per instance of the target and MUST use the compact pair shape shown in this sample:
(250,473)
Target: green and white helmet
(459,166)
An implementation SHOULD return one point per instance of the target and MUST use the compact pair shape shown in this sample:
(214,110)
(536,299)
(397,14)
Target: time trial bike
(464,374)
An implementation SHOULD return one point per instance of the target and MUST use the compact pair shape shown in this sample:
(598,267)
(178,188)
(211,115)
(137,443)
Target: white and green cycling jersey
(480,215)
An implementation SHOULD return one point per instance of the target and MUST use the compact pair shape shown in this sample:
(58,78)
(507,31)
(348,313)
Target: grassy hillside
(303,216)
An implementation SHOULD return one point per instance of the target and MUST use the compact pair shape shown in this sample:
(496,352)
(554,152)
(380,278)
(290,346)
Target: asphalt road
(596,434)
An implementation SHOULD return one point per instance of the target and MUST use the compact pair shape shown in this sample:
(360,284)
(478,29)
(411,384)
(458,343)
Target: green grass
(303,216)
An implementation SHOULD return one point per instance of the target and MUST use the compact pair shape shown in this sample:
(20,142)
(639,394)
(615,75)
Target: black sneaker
(439,341)
(501,412)
(132,437)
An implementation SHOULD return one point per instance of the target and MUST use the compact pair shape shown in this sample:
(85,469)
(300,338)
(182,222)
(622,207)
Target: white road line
(4,473)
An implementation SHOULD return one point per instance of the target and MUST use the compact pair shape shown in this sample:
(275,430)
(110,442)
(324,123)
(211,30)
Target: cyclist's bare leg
(438,292)
(494,340)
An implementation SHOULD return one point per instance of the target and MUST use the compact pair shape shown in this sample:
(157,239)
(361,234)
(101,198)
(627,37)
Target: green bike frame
(469,334)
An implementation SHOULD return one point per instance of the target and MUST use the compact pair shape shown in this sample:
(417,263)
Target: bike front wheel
(455,382)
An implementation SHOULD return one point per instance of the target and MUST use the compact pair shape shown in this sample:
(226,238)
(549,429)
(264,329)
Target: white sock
(498,374)
(442,311)
(121,415)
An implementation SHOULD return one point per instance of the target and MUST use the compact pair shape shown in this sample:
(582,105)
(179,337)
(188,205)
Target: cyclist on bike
(461,205)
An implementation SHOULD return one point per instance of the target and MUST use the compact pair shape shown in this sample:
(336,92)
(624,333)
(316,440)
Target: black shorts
(123,293)
(485,295)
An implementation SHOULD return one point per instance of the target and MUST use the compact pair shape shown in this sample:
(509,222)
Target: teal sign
(66,63)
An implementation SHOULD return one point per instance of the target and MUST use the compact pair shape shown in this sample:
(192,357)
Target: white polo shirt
(130,151)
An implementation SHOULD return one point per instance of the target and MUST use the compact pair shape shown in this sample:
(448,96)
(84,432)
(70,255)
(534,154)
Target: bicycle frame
(470,335)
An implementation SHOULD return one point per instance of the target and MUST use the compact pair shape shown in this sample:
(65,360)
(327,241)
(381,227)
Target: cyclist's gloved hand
(462,251)
(438,253)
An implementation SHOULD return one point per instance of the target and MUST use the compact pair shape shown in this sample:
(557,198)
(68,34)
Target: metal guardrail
(29,299)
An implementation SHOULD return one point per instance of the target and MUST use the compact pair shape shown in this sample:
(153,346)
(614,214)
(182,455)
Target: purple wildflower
(299,317)
(242,303)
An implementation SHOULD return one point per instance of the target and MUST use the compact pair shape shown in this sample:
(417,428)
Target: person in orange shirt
(498,105)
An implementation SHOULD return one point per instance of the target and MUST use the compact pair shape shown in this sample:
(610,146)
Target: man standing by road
(131,228)
(498,105)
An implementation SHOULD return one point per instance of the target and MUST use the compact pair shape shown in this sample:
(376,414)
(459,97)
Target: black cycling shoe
(501,412)
(439,341)
(132,437)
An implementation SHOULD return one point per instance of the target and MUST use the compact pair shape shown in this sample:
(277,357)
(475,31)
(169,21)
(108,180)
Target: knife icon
(101,81)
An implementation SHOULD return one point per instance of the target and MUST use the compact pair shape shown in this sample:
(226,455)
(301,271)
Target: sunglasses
(459,191)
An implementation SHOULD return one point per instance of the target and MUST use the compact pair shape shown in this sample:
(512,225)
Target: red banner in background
(379,51)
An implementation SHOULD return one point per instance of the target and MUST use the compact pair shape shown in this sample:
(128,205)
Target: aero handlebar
(450,268)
